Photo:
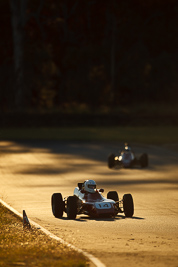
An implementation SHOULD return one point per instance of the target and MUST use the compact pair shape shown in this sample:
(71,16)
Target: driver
(127,147)
(90,186)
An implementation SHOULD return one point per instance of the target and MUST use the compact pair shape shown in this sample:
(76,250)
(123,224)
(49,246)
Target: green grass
(143,108)
(146,135)
(20,247)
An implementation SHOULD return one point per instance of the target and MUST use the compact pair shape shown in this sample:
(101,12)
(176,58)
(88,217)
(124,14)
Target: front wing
(98,209)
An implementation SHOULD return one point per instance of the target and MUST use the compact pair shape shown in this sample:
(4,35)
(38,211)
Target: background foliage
(93,53)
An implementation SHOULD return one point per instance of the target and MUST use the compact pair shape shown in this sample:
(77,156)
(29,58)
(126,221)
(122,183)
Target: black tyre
(128,205)
(144,160)
(71,207)
(57,204)
(113,195)
(111,161)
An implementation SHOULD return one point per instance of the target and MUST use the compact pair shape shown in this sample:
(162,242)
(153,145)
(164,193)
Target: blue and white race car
(89,201)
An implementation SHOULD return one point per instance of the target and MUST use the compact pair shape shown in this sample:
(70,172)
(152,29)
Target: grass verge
(147,135)
(20,247)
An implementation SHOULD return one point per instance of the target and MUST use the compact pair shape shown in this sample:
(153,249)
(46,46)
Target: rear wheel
(57,205)
(71,207)
(128,205)
(113,195)
(144,160)
(111,161)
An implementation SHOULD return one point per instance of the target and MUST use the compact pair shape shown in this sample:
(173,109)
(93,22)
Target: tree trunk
(113,60)
(111,28)
(18,10)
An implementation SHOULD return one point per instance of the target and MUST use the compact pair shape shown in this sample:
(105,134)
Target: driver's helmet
(127,147)
(90,186)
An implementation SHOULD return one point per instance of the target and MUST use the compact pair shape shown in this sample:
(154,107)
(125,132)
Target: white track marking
(93,259)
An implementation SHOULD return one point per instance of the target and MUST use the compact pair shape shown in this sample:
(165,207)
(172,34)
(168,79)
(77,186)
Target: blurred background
(83,61)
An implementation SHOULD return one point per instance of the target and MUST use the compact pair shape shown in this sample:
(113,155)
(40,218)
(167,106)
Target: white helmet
(127,147)
(90,186)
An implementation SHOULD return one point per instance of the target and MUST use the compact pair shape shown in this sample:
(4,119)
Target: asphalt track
(30,172)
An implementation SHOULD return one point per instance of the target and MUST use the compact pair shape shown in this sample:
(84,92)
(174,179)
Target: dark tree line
(93,52)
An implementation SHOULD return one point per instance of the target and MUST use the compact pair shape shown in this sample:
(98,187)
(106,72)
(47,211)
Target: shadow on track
(78,157)
(106,219)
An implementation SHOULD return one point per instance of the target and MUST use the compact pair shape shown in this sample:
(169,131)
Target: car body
(91,204)
(127,159)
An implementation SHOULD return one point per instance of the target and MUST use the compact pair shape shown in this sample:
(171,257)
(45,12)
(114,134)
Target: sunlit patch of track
(31,172)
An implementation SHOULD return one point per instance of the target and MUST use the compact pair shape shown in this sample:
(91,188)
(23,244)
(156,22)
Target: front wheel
(128,205)
(71,207)
(113,195)
(111,161)
(144,160)
(57,205)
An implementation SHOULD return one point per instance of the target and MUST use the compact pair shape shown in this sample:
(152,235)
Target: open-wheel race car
(89,201)
(127,159)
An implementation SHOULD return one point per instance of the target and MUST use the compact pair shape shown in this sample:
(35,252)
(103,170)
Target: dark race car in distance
(91,204)
(127,159)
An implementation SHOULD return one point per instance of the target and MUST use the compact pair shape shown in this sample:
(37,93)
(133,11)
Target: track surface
(30,172)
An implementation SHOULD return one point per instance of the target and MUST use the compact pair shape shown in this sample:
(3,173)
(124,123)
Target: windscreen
(94,197)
